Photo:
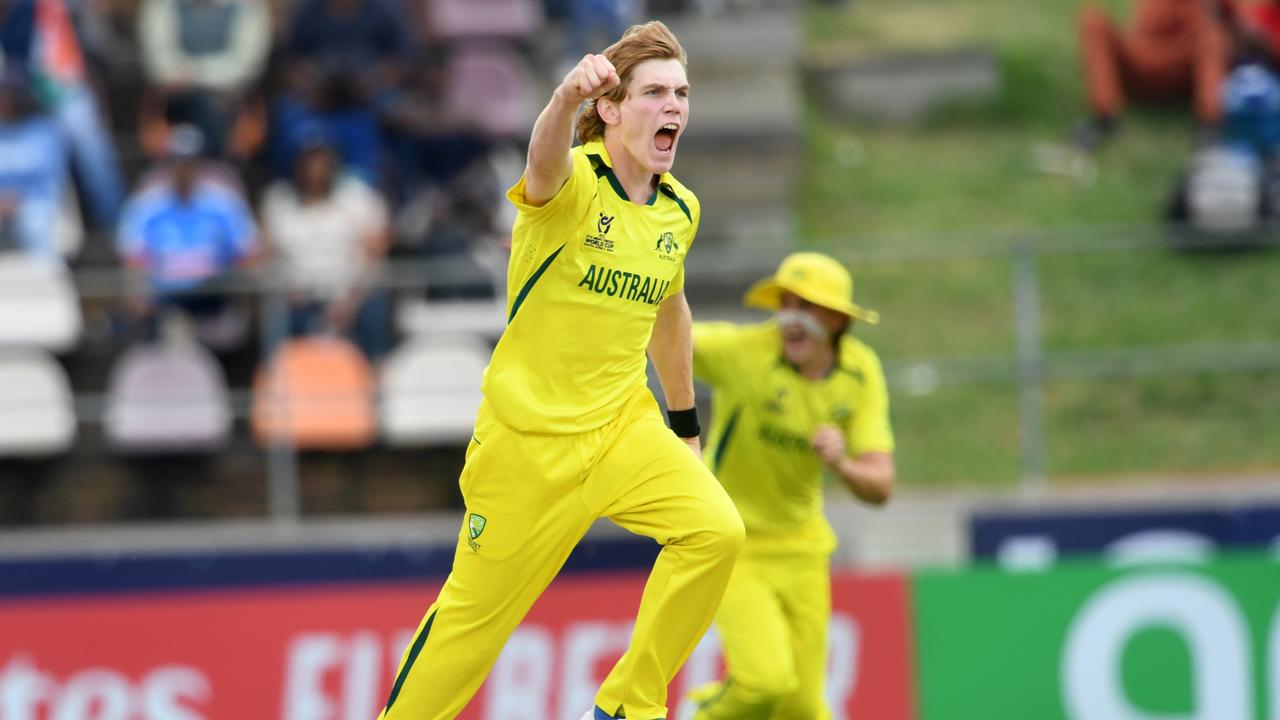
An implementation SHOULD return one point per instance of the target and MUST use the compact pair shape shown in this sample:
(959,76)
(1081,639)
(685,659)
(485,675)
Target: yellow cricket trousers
(529,499)
(773,625)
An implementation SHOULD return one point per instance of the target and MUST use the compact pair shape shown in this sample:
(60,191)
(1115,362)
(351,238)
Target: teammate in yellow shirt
(568,430)
(793,398)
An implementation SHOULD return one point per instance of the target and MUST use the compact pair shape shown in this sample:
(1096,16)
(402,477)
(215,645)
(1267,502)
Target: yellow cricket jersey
(588,270)
(764,416)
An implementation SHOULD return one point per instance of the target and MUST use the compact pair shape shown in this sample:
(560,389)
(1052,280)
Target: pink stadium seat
(454,19)
(491,86)
(316,393)
(167,399)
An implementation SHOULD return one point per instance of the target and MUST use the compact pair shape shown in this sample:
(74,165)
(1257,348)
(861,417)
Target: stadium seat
(167,399)
(37,415)
(457,19)
(430,390)
(484,318)
(315,393)
(490,85)
(38,304)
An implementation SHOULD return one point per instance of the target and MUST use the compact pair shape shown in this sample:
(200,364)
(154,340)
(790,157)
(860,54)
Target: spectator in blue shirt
(33,171)
(185,231)
(37,36)
(343,65)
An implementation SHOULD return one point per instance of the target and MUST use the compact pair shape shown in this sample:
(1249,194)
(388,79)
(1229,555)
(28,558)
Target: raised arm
(549,163)
(671,350)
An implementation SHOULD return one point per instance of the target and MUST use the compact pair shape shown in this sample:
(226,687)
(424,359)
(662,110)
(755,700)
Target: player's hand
(695,444)
(828,442)
(592,77)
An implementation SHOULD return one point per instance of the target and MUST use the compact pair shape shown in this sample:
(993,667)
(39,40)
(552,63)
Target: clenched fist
(828,442)
(592,77)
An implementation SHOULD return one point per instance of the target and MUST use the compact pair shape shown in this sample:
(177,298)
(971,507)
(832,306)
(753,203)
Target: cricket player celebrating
(793,398)
(568,430)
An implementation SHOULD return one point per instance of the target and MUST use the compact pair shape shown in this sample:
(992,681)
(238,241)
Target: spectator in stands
(33,170)
(37,36)
(184,232)
(204,56)
(434,144)
(1176,50)
(328,232)
(447,190)
(591,18)
(342,67)
(1255,27)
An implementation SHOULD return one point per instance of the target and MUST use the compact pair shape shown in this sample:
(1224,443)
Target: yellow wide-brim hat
(816,278)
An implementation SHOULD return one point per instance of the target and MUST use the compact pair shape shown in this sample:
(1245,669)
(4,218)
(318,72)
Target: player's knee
(726,533)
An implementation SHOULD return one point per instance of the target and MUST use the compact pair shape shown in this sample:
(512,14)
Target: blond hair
(650,41)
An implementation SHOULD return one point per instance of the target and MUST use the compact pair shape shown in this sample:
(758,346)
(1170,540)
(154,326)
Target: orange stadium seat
(315,393)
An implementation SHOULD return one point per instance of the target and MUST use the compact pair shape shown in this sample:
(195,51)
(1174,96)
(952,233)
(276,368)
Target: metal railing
(1030,366)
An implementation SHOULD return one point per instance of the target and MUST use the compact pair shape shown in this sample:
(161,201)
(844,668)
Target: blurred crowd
(316,137)
(1219,58)
(223,159)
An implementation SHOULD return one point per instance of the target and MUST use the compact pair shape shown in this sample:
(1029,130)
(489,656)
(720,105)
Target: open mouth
(665,139)
(794,334)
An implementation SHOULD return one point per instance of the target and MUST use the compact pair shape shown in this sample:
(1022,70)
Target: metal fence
(718,283)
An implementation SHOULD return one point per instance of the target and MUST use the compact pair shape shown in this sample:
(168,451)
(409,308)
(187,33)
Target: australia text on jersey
(624,284)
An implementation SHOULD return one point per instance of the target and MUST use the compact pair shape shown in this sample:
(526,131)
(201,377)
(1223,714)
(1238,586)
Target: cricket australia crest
(475,526)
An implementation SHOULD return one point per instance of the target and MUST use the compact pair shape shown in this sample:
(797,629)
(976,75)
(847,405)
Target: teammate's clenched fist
(592,77)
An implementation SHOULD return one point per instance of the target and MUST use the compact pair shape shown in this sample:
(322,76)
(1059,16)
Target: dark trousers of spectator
(1176,66)
(370,329)
(213,113)
(198,305)
(355,131)
(434,160)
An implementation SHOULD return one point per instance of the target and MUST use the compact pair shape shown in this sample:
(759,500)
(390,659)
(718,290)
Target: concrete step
(741,43)
(767,103)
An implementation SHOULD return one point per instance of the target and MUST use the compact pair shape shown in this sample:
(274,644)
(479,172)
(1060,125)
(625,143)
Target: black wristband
(684,423)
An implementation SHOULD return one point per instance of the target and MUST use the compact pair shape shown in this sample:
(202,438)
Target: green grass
(963,185)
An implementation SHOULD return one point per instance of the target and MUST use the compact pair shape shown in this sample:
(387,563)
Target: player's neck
(818,365)
(638,181)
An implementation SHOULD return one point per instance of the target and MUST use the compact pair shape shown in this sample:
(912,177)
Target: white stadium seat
(430,391)
(38,304)
(167,399)
(483,318)
(37,416)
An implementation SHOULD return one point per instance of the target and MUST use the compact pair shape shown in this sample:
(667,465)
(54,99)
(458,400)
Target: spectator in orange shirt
(1174,51)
